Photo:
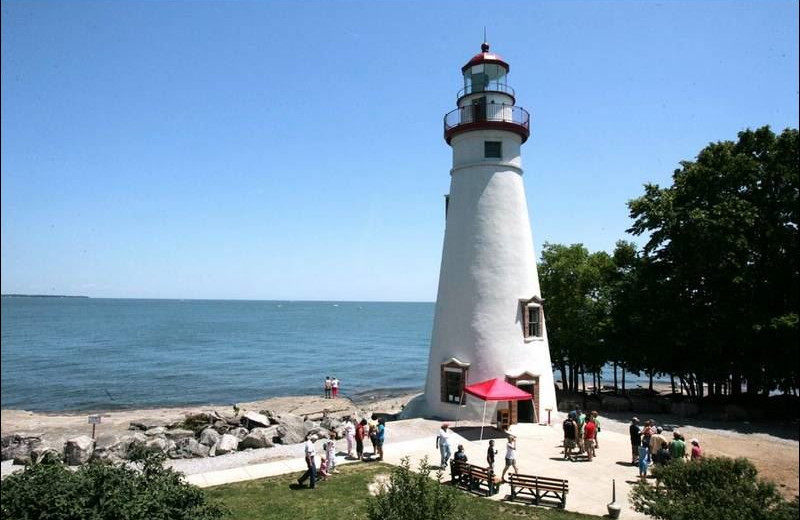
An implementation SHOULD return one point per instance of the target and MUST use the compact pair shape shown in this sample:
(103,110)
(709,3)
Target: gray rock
(78,450)
(108,447)
(259,438)
(188,448)
(179,433)
(158,430)
(227,443)
(330,423)
(146,424)
(252,420)
(44,452)
(240,433)
(291,428)
(160,443)
(209,437)
(221,427)
(17,447)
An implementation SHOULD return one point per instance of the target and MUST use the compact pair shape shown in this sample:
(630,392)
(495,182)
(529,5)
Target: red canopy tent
(495,390)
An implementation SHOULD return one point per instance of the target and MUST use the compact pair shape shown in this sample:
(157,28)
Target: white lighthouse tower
(489,320)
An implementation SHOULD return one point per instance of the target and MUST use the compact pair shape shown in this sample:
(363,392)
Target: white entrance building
(489,320)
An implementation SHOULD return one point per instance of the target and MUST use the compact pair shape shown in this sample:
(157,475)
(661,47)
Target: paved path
(538,453)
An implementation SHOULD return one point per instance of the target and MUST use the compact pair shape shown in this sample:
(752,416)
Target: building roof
(485,57)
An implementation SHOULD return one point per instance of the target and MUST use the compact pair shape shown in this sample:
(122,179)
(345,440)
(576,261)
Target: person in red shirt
(697,453)
(589,434)
(360,433)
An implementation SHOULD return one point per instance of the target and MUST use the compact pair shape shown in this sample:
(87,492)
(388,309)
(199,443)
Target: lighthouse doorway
(525,410)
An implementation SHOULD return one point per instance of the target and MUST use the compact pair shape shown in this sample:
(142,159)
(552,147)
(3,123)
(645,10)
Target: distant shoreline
(41,296)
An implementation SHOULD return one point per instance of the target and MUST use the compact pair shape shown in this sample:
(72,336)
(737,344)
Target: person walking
(490,454)
(311,463)
(328,387)
(636,439)
(511,456)
(443,444)
(596,419)
(360,434)
(350,434)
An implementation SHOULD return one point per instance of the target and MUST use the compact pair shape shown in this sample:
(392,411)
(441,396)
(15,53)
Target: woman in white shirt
(511,456)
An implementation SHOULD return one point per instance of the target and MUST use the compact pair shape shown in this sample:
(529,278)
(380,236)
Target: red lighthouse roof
(485,57)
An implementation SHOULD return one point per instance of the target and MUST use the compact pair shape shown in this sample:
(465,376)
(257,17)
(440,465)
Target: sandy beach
(772,447)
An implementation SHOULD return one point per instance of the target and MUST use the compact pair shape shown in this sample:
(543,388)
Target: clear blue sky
(277,150)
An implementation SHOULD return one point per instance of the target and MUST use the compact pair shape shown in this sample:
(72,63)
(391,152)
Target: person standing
(490,454)
(443,444)
(360,434)
(511,456)
(350,434)
(643,451)
(697,452)
(678,447)
(636,439)
(335,387)
(330,449)
(647,433)
(311,454)
(589,432)
(570,436)
(373,433)
(596,419)
(381,436)
(656,440)
(328,386)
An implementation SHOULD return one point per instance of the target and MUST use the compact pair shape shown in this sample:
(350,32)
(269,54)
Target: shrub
(413,496)
(143,490)
(711,489)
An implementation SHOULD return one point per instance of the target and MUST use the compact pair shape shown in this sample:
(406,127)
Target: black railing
(491,87)
(487,113)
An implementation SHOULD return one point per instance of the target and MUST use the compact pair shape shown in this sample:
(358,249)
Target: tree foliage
(413,496)
(712,297)
(103,491)
(711,489)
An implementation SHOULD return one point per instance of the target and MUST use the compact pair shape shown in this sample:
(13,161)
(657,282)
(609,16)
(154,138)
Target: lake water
(98,354)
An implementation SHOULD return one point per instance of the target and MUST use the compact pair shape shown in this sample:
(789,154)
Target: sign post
(94,420)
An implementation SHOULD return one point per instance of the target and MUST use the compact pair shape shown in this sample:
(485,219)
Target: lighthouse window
(493,149)
(532,321)
(453,379)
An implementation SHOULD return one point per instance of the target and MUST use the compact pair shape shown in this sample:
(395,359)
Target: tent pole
(535,415)
(484,417)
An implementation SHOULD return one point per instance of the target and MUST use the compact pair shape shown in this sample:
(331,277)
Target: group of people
(355,433)
(581,434)
(443,445)
(331,387)
(650,446)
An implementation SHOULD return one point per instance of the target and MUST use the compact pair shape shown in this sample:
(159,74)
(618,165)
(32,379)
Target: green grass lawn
(344,496)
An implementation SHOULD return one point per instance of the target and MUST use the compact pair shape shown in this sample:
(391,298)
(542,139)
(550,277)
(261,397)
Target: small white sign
(94,419)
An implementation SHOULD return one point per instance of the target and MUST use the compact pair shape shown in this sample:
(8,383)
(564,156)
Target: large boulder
(153,432)
(291,428)
(160,444)
(259,438)
(107,447)
(188,448)
(46,452)
(209,437)
(227,444)
(78,450)
(17,447)
(221,426)
(252,420)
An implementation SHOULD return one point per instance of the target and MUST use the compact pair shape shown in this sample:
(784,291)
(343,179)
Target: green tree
(577,308)
(413,496)
(722,254)
(711,489)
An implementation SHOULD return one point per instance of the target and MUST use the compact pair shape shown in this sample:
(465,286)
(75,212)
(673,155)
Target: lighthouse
(490,316)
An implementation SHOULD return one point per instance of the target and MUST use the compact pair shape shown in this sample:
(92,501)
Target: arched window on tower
(532,318)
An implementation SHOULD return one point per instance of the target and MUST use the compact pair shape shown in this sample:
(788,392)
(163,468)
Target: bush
(413,496)
(103,491)
(711,489)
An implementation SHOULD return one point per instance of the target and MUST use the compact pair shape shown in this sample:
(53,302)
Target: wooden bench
(473,478)
(542,490)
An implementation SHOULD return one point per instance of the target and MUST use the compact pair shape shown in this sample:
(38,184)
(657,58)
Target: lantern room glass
(485,77)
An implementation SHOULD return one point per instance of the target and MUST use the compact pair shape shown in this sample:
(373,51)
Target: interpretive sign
(94,419)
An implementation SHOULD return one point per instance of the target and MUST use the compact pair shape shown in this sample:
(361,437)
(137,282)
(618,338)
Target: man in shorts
(636,439)
(570,436)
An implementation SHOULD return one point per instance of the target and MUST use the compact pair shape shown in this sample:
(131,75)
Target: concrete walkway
(538,453)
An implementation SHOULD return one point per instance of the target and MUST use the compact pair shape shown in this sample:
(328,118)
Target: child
(330,451)
(490,453)
(323,467)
